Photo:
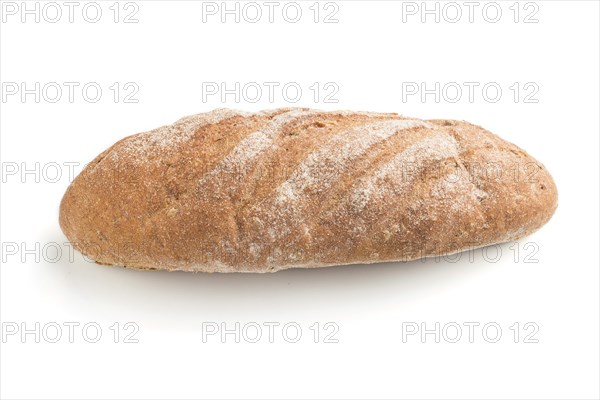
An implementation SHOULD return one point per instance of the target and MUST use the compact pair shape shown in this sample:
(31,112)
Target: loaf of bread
(229,191)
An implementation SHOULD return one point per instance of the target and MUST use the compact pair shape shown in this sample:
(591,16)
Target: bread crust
(229,191)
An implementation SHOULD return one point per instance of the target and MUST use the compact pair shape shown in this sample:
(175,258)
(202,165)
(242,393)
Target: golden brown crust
(228,191)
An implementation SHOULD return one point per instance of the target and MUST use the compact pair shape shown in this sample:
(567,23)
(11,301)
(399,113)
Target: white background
(368,54)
